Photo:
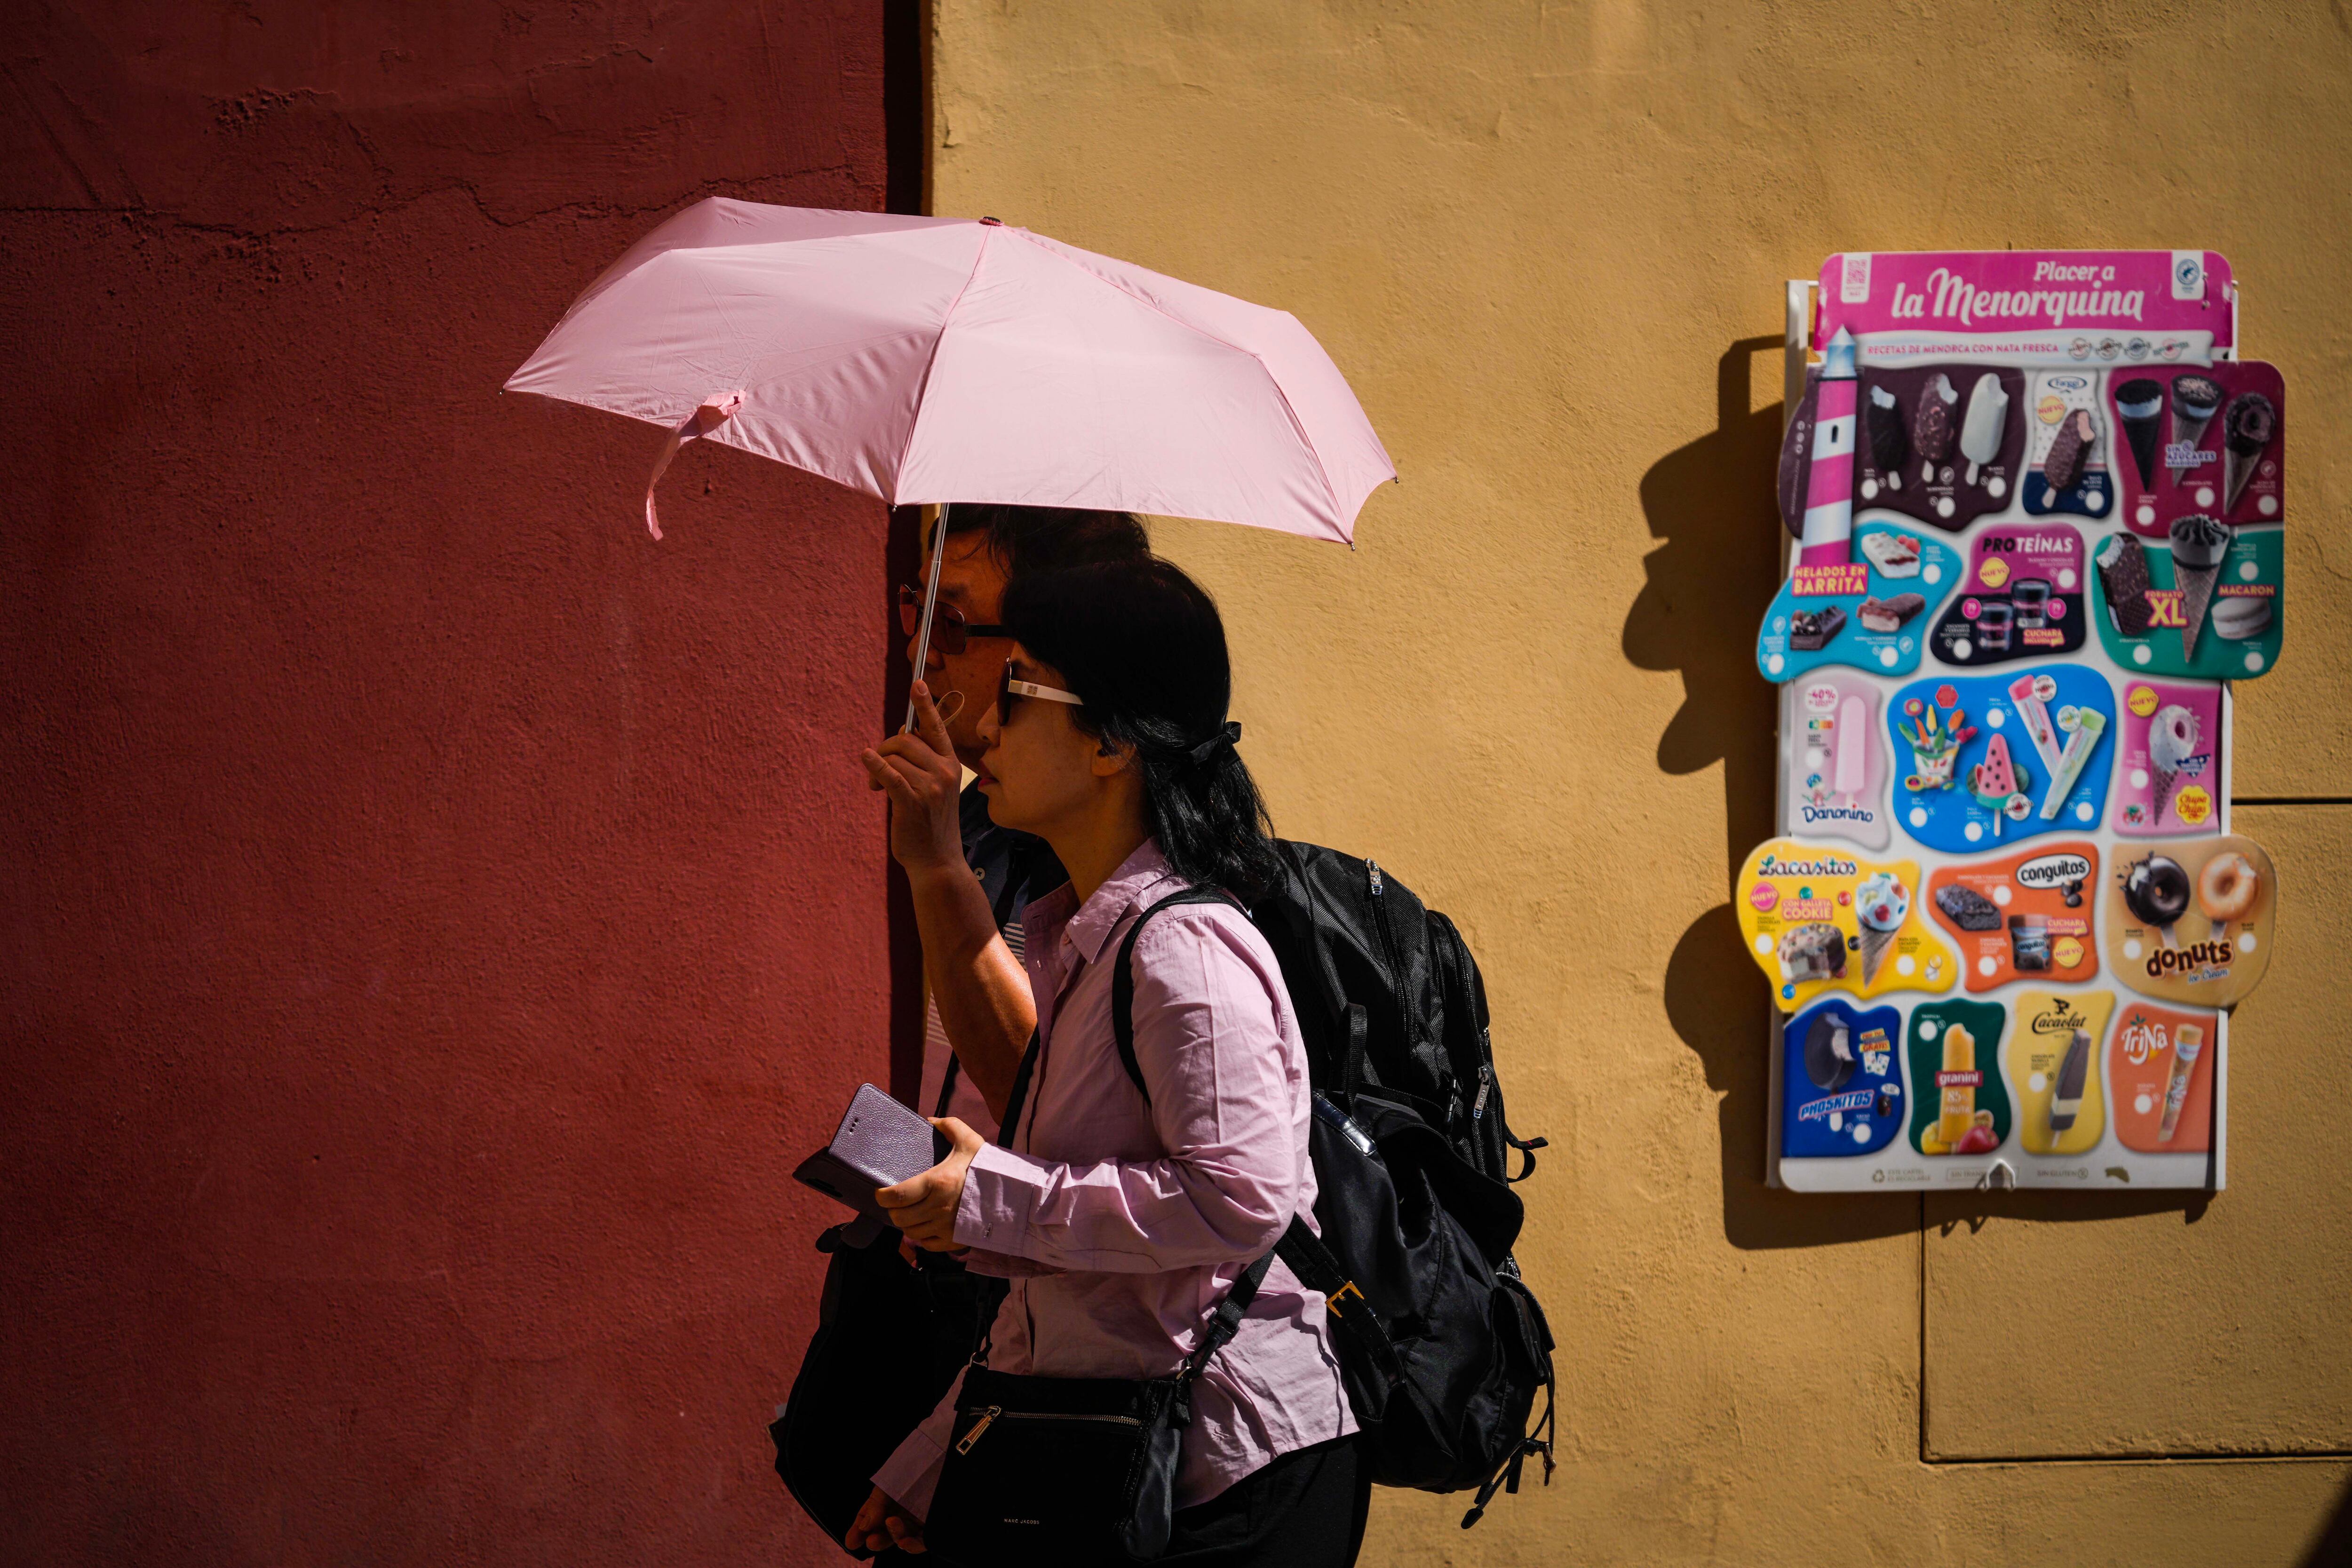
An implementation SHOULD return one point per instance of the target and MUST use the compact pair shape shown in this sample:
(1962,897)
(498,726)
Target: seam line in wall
(2194,1457)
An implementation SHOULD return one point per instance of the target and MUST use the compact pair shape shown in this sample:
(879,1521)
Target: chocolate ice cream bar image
(2122,572)
(1890,446)
(2195,400)
(2139,404)
(2070,449)
(1967,909)
(1809,631)
(1888,615)
(1935,425)
(2073,1071)
(2245,431)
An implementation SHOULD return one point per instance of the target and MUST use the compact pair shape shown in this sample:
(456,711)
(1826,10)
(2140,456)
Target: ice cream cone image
(2198,543)
(2247,429)
(2139,407)
(2195,400)
(1874,951)
(1880,906)
(2172,737)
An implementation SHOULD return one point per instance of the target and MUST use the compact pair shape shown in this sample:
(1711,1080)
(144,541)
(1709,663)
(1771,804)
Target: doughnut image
(2227,889)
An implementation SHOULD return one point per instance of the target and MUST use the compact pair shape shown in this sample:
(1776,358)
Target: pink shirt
(1122,1225)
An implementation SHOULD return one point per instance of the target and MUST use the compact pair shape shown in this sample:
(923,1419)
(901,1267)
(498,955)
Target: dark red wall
(438,916)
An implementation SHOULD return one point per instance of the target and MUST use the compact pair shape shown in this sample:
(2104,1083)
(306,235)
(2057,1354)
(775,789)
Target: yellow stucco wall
(1545,242)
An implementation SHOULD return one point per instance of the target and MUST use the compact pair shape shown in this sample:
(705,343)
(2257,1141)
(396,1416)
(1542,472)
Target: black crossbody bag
(1070,1469)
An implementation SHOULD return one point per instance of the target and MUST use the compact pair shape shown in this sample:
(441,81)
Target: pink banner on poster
(2092,307)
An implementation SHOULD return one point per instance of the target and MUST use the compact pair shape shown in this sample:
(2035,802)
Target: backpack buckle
(1342,1293)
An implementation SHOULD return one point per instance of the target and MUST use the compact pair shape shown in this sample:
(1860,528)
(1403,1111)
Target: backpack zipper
(1486,1084)
(1395,963)
(1388,936)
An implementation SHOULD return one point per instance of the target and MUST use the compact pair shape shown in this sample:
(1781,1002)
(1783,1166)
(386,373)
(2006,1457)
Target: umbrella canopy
(927,359)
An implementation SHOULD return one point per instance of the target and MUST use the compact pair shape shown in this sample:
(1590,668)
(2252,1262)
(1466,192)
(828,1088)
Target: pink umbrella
(939,359)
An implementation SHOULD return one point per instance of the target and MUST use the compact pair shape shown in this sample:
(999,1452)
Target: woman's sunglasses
(1009,690)
(951,633)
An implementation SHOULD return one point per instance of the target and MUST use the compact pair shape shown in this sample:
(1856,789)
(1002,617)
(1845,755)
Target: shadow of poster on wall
(1709,505)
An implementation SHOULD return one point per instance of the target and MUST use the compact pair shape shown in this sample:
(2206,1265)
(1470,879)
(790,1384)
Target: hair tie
(1230,735)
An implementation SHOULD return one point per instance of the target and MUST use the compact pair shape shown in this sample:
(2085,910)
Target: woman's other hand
(924,1205)
(919,773)
(882,1524)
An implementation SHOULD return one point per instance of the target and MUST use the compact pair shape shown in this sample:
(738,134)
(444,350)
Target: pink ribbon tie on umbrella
(714,412)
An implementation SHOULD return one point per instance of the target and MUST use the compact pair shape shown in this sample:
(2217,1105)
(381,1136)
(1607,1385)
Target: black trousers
(1304,1510)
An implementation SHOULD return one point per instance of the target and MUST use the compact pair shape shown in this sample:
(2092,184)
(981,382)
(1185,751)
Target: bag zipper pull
(1373,866)
(1485,1083)
(991,1413)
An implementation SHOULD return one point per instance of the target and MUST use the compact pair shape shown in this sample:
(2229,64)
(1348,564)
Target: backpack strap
(948,1083)
(1226,1321)
(1122,979)
(1300,1248)
(1018,1094)
(1320,1272)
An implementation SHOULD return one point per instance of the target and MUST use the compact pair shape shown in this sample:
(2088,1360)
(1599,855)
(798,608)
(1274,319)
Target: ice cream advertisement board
(1818,918)
(1845,1085)
(2023,598)
(1866,613)
(2193,921)
(2062,456)
(2030,306)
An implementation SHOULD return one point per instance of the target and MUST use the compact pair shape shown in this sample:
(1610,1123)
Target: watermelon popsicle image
(1995,787)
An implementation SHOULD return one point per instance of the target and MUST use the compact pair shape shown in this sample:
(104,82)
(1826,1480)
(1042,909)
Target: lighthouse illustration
(1828,534)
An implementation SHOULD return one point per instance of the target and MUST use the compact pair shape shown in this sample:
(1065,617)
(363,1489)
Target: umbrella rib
(979,254)
(1154,306)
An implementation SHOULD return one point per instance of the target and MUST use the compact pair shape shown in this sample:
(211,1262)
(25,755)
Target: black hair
(1142,644)
(1027,539)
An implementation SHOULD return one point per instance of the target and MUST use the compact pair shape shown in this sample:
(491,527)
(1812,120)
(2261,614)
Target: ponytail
(1143,644)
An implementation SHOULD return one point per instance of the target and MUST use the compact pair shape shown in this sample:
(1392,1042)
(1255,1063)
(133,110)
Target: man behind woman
(1121,1221)
(989,546)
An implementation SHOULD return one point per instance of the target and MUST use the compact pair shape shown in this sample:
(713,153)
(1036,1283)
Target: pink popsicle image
(1827,539)
(1851,739)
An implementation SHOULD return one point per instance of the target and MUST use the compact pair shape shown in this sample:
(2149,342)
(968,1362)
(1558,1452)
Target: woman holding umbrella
(1123,1215)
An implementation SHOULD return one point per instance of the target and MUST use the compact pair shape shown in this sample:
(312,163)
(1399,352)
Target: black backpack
(1442,1345)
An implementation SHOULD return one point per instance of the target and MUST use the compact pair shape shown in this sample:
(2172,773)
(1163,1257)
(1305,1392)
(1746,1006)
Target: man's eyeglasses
(951,633)
(1009,690)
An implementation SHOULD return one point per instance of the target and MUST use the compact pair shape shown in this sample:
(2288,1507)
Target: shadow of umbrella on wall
(939,359)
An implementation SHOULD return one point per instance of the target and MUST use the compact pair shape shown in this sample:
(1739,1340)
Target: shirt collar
(1139,877)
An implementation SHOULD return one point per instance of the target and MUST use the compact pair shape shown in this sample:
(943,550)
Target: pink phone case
(879,1143)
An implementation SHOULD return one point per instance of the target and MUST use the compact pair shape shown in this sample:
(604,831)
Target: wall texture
(436,916)
(1547,243)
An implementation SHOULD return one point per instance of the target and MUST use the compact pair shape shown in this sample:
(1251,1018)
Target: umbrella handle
(930,598)
(714,412)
